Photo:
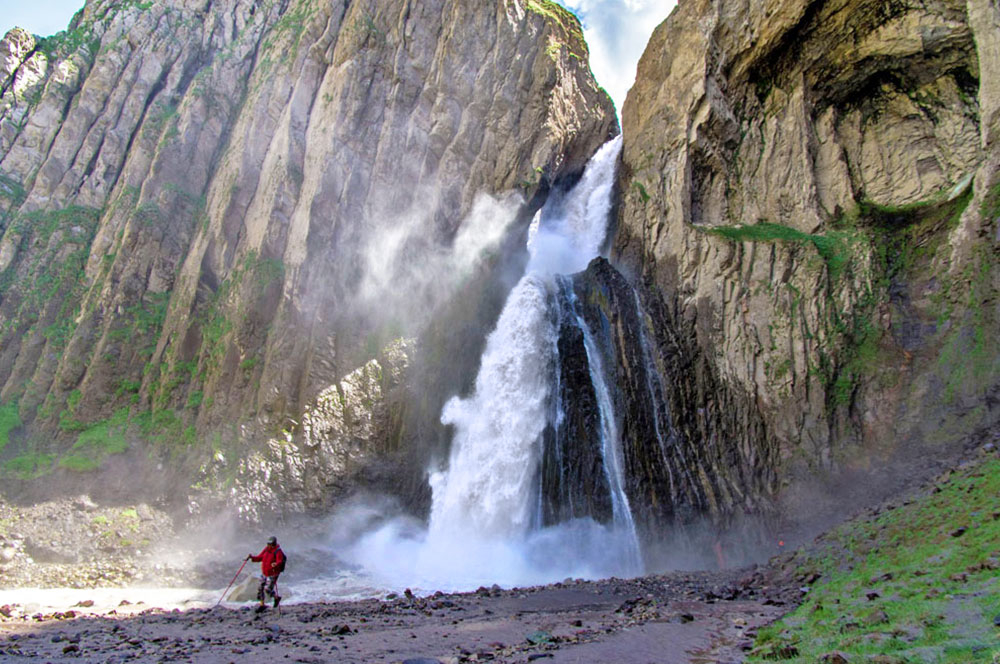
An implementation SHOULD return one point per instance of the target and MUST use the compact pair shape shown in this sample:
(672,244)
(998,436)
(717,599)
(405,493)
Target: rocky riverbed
(76,543)
(85,582)
(704,617)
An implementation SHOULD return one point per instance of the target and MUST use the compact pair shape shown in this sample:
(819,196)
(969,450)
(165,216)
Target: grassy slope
(905,585)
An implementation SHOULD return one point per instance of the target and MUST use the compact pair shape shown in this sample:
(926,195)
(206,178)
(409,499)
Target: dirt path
(667,618)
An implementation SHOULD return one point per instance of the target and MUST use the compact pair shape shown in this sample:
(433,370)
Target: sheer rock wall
(215,210)
(810,201)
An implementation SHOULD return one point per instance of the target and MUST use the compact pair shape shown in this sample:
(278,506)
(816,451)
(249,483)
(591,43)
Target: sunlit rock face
(809,206)
(214,213)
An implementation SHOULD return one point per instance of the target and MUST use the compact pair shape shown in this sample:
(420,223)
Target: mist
(409,269)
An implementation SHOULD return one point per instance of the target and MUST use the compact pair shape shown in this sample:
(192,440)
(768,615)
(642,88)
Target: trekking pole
(232,582)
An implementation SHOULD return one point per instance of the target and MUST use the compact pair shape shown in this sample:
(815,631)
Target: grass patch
(29,466)
(9,420)
(105,437)
(833,247)
(918,582)
(79,463)
(562,16)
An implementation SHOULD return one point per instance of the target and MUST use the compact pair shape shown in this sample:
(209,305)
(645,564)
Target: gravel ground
(690,617)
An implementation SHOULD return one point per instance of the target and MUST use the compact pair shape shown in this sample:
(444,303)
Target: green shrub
(195,399)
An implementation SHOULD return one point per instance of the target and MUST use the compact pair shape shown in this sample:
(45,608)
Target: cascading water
(486,525)
(611,453)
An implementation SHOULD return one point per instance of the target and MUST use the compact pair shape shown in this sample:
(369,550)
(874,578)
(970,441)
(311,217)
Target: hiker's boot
(260,609)
(277,600)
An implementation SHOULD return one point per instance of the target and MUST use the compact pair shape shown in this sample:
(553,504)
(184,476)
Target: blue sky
(616,30)
(40,17)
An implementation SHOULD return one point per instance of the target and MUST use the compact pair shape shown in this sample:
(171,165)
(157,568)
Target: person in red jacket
(272,563)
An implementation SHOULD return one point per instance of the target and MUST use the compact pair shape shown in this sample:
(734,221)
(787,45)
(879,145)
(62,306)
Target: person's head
(272,541)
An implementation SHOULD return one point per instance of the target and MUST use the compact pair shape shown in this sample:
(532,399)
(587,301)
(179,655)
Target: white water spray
(484,525)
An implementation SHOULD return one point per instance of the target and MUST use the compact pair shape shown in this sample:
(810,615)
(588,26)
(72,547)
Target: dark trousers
(267,586)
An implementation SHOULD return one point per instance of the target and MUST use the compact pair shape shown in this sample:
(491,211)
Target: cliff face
(216,211)
(810,202)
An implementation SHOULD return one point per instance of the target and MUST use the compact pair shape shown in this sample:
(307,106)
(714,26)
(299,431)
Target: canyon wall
(810,200)
(218,215)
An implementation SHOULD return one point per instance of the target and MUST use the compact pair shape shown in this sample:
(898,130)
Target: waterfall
(611,452)
(489,520)
(490,489)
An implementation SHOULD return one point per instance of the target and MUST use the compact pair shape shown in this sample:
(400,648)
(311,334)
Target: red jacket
(270,560)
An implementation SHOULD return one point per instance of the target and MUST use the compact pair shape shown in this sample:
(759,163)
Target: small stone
(877,618)
(996,620)
(958,532)
(538,655)
(835,657)
(872,595)
(71,648)
(538,637)
(86,604)
(961,577)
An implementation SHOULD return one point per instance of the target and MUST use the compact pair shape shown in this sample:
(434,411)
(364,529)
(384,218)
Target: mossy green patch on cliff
(565,19)
(48,284)
(105,437)
(281,45)
(64,44)
(833,247)
(967,360)
(161,425)
(29,466)
(10,420)
(11,196)
(918,582)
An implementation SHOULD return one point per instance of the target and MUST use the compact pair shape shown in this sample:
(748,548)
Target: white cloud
(617,32)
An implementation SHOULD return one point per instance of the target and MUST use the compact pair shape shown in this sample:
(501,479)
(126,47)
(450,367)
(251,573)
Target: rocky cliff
(810,200)
(206,206)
